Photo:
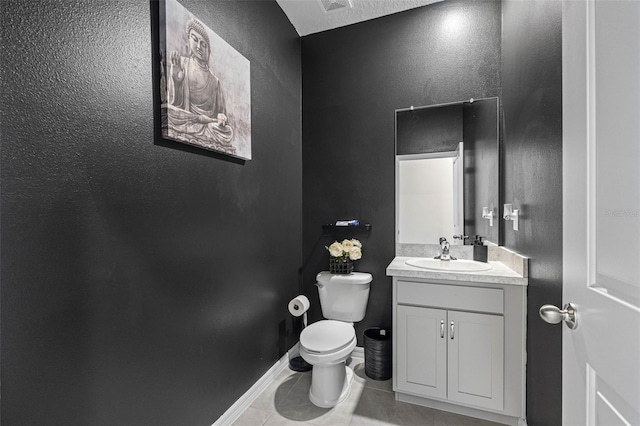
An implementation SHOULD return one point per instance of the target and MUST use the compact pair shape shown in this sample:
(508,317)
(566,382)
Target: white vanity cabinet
(451,355)
(459,346)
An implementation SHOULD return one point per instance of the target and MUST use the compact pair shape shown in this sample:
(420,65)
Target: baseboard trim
(245,401)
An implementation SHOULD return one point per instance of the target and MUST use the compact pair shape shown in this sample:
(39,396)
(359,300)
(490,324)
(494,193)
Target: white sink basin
(460,265)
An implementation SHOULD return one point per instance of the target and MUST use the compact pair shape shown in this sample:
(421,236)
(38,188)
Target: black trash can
(377,353)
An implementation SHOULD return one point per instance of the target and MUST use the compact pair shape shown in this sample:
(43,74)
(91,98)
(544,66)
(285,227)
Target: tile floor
(371,403)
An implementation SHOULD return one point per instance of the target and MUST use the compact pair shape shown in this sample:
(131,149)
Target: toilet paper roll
(299,305)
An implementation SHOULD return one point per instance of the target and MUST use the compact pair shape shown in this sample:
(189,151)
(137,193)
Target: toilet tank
(344,297)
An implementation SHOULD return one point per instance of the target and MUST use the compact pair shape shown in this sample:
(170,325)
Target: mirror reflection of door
(430,197)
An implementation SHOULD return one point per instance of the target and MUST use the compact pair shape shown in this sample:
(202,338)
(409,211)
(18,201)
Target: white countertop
(498,274)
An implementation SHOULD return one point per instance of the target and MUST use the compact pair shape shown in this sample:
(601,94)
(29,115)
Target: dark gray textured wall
(532,176)
(428,130)
(142,283)
(354,79)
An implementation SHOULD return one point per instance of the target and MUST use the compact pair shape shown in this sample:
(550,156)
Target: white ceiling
(309,16)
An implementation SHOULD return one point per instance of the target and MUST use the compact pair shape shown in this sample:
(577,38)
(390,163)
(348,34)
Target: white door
(601,211)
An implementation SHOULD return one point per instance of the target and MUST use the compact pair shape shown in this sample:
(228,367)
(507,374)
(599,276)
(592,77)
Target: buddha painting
(205,84)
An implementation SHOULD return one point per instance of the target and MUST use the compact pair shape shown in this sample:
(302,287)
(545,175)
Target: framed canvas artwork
(205,94)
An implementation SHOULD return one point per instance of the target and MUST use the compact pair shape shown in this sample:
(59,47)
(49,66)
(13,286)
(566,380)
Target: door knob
(554,315)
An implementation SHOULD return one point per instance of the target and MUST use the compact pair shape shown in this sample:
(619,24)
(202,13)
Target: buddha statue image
(196,110)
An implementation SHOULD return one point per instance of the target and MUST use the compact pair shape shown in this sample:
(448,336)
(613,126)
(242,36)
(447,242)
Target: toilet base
(330,385)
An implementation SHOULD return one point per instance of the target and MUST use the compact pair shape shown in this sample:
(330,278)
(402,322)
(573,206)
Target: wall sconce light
(487,213)
(509,213)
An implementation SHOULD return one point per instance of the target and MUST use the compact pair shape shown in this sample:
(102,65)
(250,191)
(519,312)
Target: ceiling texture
(314,16)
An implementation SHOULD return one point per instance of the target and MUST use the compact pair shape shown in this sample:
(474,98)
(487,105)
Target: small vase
(340,265)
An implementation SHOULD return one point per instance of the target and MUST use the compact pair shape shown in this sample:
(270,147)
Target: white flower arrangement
(347,249)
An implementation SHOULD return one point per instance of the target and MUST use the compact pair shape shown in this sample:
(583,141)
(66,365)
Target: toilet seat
(327,336)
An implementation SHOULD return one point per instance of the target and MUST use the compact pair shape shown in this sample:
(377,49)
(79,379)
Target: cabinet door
(476,359)
(422,351)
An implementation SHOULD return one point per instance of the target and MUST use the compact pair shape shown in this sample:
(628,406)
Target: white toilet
(327,344)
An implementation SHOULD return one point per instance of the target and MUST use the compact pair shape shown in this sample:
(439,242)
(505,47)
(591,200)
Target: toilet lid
(327,336)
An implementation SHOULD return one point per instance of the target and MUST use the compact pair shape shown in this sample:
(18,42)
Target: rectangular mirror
(447,166)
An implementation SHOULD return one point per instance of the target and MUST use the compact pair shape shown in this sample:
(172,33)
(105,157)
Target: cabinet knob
(452,330)
(442,329)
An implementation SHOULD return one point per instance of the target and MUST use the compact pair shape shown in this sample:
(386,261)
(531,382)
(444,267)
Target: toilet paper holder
(298,306)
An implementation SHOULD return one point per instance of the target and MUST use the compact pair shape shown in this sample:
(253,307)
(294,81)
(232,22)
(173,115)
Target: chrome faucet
(444,250)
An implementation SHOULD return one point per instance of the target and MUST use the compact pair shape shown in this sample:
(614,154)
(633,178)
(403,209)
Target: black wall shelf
(333,230)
